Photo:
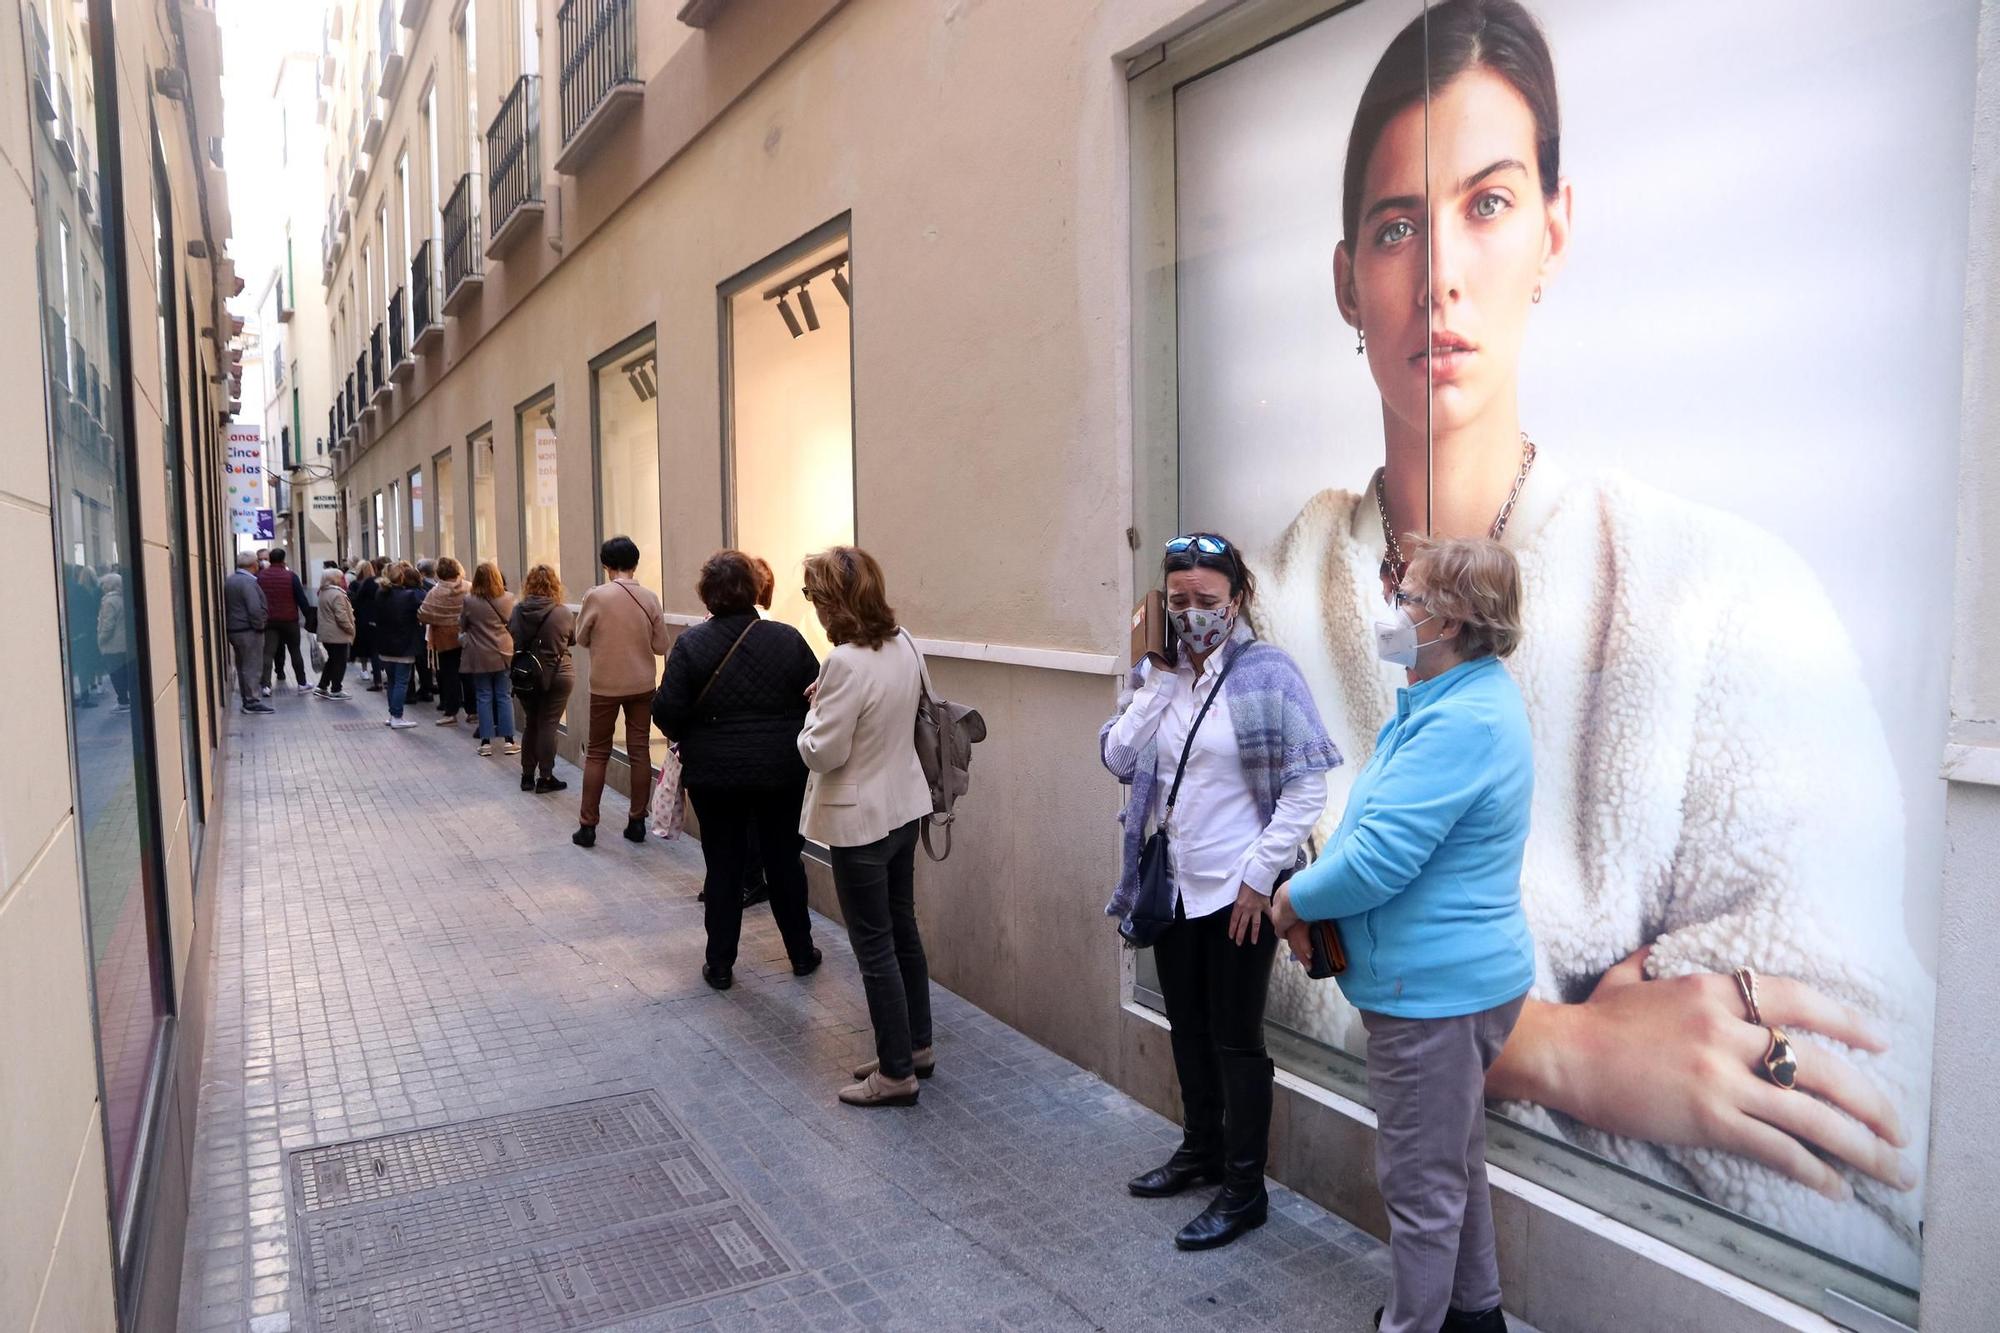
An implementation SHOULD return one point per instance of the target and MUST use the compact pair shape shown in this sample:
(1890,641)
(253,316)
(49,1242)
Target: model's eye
(1491,204)
(1394,231)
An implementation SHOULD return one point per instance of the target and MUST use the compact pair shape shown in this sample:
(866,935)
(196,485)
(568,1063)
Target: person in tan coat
(864,798)
(621,626)
(443,605)
(486,651)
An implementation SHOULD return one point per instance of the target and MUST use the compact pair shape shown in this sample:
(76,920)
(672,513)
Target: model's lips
(1445,354)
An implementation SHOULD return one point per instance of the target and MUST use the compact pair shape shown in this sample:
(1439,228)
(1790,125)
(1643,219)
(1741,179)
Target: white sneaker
(486,749)
(267,691)
(342,695)
(511,747)
(401,723)
(305,689)
(451,721)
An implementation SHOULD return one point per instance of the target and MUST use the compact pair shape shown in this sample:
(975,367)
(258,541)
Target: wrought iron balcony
(378,365)
(464,258)
(400,365)
(427,327)
(513,155)
(600,74)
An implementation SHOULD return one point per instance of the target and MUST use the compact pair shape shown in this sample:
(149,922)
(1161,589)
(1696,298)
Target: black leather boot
(1242,1205)
(1467,1321)
(1198,1161)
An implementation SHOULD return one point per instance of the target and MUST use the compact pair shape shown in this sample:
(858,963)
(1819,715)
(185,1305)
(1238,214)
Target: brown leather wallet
(1329,952)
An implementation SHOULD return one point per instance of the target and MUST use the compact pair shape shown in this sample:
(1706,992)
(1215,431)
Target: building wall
(56,1246)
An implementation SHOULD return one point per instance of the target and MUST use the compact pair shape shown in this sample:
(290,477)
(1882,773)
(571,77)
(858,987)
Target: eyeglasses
(807,593)
(1401,598)
(1201,543)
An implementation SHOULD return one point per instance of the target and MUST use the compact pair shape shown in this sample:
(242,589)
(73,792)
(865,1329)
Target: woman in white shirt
(1251,785)
(863,800)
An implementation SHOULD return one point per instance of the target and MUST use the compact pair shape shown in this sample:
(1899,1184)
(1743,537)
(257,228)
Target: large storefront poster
(1709,261)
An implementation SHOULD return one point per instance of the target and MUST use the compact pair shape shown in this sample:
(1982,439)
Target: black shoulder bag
(1153,911)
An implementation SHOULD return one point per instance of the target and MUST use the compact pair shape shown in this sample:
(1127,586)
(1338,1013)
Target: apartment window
(625,443)
(789,430)
(535,453)
(530,43)
(468,84)
(442,474)
(484,534)
(403,195)
(433,222)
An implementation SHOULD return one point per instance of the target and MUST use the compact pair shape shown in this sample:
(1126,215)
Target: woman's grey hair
(1473,581)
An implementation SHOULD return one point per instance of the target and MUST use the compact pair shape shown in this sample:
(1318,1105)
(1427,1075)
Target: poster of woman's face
(1670,297)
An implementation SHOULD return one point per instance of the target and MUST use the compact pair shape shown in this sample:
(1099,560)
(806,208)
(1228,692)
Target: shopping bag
(665,815)
(318,655)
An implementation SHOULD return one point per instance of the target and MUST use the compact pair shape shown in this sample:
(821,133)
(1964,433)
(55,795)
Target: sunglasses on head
(1202,544)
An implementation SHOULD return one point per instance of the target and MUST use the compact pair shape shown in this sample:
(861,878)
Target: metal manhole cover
(358,726)
(569,1217)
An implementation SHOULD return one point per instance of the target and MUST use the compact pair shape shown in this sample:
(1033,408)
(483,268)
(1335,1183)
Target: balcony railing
(399,340)
(464,256)
(423,297)
(513,153)
(600,58)
(378,364)
(392,59)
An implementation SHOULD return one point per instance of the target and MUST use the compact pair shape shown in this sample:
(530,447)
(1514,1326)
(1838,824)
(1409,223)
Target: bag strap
(1188,748)
(714,675)
(923,669)
(620,583)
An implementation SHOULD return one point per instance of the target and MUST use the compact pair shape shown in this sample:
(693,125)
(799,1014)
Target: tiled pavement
(406,940)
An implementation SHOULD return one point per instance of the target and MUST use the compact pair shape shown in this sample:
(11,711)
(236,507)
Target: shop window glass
(397,547)
(421,542)
(791,415)
(535,448)
(485,533)
(99,571)
(446,500)
(625,387)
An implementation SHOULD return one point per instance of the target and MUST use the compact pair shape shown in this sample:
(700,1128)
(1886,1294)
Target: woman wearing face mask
(1424,876)
(1718,811)
(1224,746)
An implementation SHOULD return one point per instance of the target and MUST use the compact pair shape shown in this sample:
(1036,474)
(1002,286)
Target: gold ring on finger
(1781,1061)
(1746,985)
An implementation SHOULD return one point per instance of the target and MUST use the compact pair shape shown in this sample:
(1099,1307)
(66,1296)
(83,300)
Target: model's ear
(1556,234)
(1344,293)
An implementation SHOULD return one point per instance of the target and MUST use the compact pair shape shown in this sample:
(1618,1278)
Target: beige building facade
(783,273)
(121,373)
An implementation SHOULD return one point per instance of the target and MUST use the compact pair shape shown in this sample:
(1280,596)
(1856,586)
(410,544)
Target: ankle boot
(1198,1161)
(1474,1321)
(1246,1135)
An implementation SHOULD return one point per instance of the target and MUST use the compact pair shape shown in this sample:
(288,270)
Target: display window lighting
(840,284)
(806,308)
(791,320)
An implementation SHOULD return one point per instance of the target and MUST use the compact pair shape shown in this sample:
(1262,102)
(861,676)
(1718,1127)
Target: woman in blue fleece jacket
(1424,877)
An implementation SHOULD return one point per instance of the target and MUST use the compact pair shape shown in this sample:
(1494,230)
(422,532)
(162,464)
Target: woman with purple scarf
(1234,718)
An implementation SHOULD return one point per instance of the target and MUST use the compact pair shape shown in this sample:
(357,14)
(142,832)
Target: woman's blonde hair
(1474,581)
(486,580)
(364,570)
(543,581)
(847,584)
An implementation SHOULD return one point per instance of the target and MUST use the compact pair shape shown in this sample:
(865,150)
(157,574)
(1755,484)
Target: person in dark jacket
(542,625)
(398,636)
(285,608)
(362,594)
(734,698)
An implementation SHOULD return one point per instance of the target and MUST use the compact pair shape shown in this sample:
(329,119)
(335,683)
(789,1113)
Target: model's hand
(1677,1061)
(1247,917)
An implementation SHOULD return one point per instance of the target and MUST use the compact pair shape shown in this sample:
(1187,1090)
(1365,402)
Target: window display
(535,449)
(624,393)
(443,488)
(485,533)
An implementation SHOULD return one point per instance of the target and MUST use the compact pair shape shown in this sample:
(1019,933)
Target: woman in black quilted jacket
(734,698)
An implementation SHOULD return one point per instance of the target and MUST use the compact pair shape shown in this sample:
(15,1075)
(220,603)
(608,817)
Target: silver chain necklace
(1393,563)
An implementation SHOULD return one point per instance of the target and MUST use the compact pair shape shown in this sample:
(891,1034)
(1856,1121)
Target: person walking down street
(543,627)
(487,651)
(362,594)
(734,699)
(336,634)
(398,636)
(443,607)
(285,607)
(1425,870)
(243,618)
(113,643)
(864,799)
(1225,749)
(626,635)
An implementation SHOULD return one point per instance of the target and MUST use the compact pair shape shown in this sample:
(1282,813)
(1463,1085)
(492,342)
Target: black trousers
(426,678)
(280,637)
(331,678)
(730,818)
(877,887)
(1214,991)
(541,714)
(452,697)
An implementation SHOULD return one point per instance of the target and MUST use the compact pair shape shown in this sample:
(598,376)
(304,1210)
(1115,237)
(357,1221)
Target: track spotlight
(806,308)
(791,320)
(840,285)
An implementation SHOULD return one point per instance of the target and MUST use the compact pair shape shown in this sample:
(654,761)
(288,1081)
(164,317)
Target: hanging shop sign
(244,489)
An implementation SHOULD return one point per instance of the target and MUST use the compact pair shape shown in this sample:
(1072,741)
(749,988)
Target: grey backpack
(946,733)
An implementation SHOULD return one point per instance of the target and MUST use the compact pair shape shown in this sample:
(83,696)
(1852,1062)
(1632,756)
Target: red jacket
(283,593)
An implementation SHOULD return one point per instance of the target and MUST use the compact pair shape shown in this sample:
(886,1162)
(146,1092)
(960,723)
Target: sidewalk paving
(407,941)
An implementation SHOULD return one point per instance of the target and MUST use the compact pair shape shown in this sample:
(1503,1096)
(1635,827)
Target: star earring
(1361,341)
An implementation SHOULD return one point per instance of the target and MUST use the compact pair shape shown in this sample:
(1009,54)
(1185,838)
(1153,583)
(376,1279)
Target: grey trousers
(1428,1080)
(248,645)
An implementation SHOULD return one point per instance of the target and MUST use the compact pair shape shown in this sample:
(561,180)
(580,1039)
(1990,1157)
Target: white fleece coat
(1710,778)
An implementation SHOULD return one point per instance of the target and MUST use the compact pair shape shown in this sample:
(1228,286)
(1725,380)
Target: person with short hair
(734,698)
(1424,873)
(864,798)
(398,635)
(443,605)
(336,633)
(622,626)
(286,607)
(488,652)
(243,619)
(541,624)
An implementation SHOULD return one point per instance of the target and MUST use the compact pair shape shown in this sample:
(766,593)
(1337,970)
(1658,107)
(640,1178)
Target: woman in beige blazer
(863,800)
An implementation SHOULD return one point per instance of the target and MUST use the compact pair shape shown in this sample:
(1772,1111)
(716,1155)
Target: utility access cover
(569,1217)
